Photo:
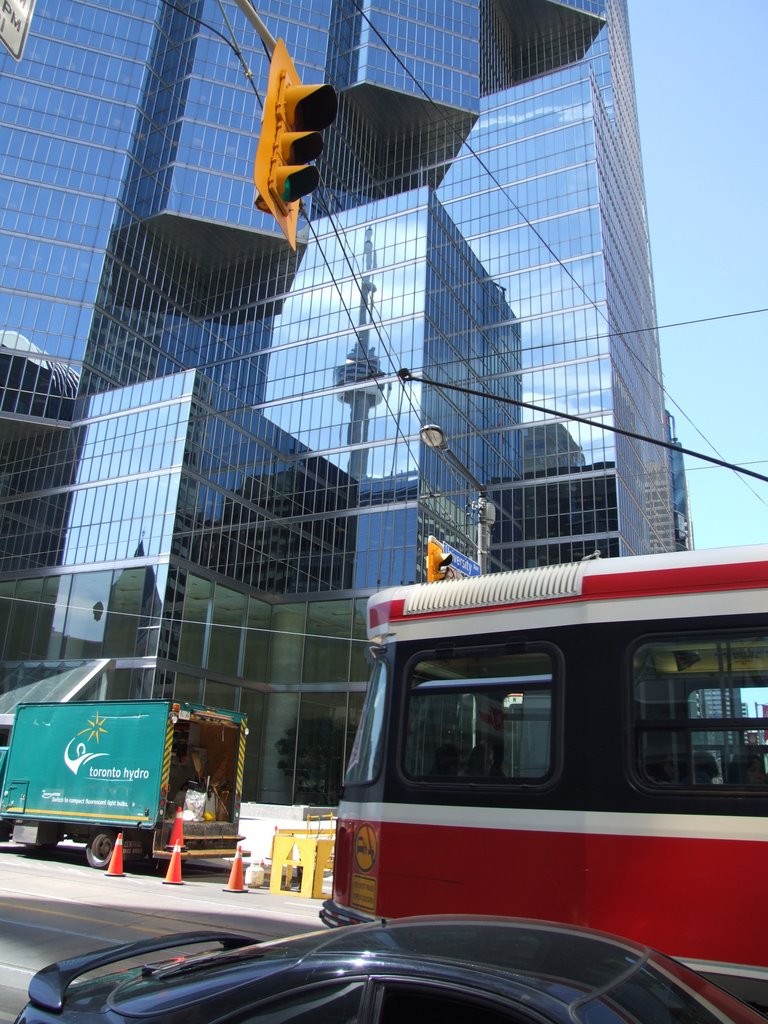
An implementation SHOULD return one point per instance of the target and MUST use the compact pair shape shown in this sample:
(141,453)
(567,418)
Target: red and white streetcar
(583,743)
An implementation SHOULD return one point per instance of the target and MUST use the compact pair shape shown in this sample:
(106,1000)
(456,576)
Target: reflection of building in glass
(207,458)
(550,449)
(33,385)
(357,374)
(574,501)
(679,487)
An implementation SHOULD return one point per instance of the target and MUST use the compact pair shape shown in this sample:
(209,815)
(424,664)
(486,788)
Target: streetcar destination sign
(15,18)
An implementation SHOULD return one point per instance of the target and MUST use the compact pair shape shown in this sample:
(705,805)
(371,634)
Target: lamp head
(433,436)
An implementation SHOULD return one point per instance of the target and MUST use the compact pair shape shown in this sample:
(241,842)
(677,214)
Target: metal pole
(434,437)
(482,550)
(486,517)
(266,37)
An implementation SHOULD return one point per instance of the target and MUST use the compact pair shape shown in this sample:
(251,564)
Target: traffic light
(437,560)
(294,115)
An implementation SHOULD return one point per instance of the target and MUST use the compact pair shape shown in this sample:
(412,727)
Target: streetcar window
(701,710)
(482,718)
(365,759)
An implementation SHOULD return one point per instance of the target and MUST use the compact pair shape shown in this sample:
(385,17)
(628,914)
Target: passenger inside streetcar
(660,769)
(476,761)
(496,769)
(747,769)
(446,760)
(706,770)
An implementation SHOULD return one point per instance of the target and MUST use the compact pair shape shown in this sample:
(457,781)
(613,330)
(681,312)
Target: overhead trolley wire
(618,334)
(408,376)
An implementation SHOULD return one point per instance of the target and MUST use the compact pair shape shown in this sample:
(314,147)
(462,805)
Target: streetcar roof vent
(698,574)
(541,583)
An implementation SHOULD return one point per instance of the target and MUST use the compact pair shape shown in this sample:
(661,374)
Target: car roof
(561,963)
(582,956)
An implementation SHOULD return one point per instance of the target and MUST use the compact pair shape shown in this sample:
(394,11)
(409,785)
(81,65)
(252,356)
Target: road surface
(54,906)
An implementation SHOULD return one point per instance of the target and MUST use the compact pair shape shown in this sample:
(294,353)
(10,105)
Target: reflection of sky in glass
(755,698)
(322,326)
(128,471)
(80,616)
(438,51)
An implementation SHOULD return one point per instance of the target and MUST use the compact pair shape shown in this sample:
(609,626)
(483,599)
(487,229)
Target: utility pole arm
(267,38)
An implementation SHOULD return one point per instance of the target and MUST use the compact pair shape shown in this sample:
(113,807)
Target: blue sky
(702,95)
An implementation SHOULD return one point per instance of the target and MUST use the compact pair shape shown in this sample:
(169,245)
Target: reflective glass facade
(208,457)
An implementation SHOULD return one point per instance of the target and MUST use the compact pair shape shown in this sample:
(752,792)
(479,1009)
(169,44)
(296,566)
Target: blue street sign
(465,566)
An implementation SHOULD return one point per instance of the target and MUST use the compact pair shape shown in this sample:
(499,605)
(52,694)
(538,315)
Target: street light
(434,437)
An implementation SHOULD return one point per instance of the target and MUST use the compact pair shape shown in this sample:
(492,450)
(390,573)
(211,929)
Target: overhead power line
(406,375)
(622,335)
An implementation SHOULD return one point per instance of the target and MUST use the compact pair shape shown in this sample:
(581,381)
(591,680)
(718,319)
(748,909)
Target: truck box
(88,771)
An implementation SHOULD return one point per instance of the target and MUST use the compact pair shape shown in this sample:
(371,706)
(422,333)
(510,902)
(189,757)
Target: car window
(320,1004)
(647,996)
(415,1004)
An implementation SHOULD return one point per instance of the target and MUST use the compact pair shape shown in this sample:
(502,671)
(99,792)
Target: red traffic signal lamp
(438,560)
(294,115)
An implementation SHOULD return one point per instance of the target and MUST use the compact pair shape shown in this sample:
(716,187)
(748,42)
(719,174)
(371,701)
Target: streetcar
(583,743)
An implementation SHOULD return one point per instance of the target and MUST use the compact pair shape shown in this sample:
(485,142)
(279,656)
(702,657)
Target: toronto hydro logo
(76,753)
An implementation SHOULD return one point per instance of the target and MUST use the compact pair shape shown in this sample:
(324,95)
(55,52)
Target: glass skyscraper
(208,455)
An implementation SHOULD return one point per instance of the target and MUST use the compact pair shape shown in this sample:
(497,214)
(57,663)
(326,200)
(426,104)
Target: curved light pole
(434,437)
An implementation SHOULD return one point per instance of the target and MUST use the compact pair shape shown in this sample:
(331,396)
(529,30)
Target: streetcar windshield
(484,718)
(365,759)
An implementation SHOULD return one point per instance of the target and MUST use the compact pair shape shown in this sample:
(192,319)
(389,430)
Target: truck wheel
(99,849)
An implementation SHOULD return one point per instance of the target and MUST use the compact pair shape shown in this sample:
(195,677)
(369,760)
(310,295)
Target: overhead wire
(235,47)
(158,620)
(407,375)
(619,334)
(752,462)
(378,327)
(233,44)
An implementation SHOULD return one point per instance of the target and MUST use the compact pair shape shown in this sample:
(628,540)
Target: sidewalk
(258,826)
(259,822)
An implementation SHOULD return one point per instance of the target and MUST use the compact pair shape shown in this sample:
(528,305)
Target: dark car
(446,970)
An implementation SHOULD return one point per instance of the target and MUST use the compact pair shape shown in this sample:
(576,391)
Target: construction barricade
(301,857)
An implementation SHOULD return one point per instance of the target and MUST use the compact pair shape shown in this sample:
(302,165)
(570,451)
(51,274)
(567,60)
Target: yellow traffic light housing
(438,561)
(294,115)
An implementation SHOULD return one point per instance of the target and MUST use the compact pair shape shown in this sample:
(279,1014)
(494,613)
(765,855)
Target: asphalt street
(54,906)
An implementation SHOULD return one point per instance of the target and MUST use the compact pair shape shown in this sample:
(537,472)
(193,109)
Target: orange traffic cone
(173,876)
(177,833)
(235,883)
(115,868)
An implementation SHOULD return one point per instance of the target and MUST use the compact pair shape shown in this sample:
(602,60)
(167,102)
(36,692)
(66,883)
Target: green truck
(89,771)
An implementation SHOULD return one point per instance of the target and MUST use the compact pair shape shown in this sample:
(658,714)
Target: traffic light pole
(434,437)
(264,34)
(486,517)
